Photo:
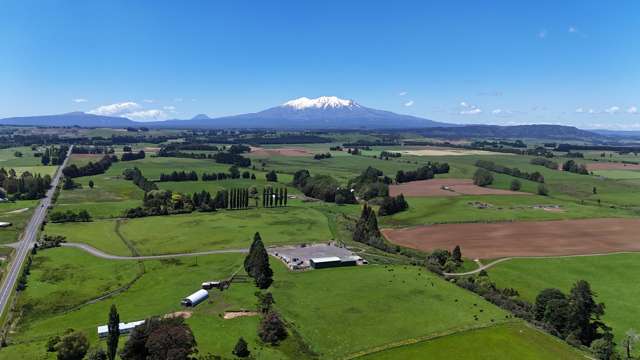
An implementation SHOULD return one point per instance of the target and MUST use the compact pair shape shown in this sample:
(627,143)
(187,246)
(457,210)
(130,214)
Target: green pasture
(464,208)
(9,160)
(508,341)
(619,174)
(226,229)
(14,213)
(342,311)
(612,278)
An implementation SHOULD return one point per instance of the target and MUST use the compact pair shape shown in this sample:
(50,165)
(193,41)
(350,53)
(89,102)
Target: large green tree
(256,263)
(73,346)
(584,313)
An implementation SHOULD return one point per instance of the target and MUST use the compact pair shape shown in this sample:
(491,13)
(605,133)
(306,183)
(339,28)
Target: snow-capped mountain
(321,102)
(324,112)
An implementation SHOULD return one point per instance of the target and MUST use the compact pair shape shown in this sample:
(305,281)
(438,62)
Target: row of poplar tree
(274,197)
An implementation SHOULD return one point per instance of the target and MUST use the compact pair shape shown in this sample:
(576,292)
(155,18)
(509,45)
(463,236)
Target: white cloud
(497,111)
(169,108)
(573,29)
(79,100)
(580,110)
(612,110)
(471,112)
(632,110)
(115,109)
(152,114)
(149,101)
(591,111)
(409,103)
(178,99)
(542,34)
(402,93)
(469,109)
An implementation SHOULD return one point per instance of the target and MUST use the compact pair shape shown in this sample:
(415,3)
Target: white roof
(326,259)
(103,329)
(198,295)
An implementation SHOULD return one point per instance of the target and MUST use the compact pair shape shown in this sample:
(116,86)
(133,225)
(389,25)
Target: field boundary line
(496,262)
(101,254)
(424,338)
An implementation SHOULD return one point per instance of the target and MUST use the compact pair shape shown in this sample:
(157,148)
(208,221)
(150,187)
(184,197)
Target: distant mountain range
(559,132)
(325,112)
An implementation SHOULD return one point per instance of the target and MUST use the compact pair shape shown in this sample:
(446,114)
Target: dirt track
(525,238)
(456,187)
(290,151)
(611,166)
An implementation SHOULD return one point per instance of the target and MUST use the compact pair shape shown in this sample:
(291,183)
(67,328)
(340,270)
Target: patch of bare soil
(288,151)
(182,314)
(611,166)
(235,314)
(524,238)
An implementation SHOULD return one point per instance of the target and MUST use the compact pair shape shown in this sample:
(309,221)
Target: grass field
(200,231)
(14,213)
(499,342)
(610,277)
(454,209)
(156,293)
(341,311)
(618,174)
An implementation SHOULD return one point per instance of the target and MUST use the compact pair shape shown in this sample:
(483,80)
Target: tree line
(274,197)
(70,216)
(392,204)
(54,155)
(91,168)
(135,175)
(179,176)
(130,156)
(545,162)
(24,187)
(574,167)
(515,172)
(422,173)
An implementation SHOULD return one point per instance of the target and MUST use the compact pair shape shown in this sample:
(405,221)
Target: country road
(98,253)
(28,238)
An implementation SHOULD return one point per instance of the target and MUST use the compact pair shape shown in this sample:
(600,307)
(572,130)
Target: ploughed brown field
(611,166)
(289,151)
(454,187)
(525,238)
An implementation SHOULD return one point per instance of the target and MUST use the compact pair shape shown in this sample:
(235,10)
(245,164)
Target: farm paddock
(446,187)
(612,166)
(288,151)
(525,238)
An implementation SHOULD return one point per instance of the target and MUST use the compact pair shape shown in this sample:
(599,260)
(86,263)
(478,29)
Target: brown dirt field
(291,151)
(611,166)
(235,314)
(526,238)
(457,187)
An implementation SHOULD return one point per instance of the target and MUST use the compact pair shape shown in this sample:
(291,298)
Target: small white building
(195,298)
(4,224)
(208,285)
(125,328)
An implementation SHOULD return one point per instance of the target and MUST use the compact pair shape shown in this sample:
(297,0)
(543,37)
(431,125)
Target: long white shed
(195,298)
(125,328)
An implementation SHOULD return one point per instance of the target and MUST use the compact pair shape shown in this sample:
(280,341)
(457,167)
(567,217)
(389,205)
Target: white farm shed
(195,298)
(125,328)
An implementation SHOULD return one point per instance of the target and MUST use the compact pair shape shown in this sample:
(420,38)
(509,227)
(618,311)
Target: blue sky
(499,62)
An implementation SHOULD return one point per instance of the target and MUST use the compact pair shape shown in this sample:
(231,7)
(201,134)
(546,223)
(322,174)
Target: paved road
(95,252)
(24,245)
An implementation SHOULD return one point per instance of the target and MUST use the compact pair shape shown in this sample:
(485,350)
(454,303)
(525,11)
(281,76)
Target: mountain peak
(321,102)
(201,117)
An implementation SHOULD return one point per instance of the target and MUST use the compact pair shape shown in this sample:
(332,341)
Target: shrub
(482,177)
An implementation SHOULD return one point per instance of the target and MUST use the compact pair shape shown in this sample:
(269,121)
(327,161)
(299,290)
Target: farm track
(496,262)
(99,253)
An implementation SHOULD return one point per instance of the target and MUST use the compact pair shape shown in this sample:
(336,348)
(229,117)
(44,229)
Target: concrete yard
(297,257)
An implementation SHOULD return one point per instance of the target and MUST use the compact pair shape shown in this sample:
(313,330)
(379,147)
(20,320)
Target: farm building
(195,298)
(332,261)
(125,328)
(208,285)
(4,224)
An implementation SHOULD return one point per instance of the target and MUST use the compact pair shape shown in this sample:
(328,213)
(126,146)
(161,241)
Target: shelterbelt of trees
(27,186)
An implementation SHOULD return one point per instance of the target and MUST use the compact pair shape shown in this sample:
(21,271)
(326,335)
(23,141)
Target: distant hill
(71,119)
(325,112)
(513,132)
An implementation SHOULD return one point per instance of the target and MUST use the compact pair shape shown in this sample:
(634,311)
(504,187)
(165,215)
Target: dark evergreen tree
(456,255)
(114,332)
(584,313)
(241,349)
(272,329)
